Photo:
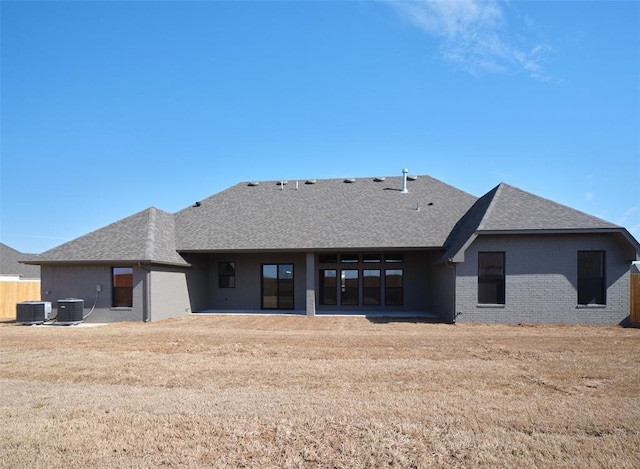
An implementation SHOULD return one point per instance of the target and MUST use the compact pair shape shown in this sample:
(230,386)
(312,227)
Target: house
(403,246)
(11,267)
(18,282)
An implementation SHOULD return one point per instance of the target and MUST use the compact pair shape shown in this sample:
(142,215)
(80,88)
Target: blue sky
(110,107)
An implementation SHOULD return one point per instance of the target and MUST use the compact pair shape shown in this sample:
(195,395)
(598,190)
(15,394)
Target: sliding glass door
(277,286)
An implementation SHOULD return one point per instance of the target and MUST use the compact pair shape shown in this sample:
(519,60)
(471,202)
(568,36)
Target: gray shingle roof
(508,209)
(147,236)
(365,213)
(515,209)
(329,214)
(10,263)
(467,226)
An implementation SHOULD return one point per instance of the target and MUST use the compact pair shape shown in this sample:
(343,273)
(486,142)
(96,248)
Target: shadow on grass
(406,320)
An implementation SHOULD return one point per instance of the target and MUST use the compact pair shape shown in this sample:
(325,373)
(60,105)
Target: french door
(277,286)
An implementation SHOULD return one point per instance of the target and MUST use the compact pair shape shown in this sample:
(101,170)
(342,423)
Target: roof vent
(282,183)
(412,178)
(404,181)
(310,181)
(253,183)
(349,180)
(378,179)
(197,204)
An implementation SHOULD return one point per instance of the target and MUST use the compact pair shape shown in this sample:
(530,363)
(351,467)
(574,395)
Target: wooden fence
(12,293)
(635,299)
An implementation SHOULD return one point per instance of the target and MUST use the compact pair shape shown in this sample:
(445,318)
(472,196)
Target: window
(227,275)
(277,286)
(371,287)
(328,258)
(349,258)
(591,289)
(122,287)
(370,258)
(328,287)
(394,257)
(349,287)
(491,278)
(393,287)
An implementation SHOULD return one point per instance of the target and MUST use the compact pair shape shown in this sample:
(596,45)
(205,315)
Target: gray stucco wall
(80,281)
(169,295)
(541,280)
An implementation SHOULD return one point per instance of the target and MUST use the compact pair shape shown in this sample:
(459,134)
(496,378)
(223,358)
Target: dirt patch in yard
(256,391)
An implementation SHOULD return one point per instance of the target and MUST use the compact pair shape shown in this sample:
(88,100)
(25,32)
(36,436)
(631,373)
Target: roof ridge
(491,206)
(151,234)
(374,178)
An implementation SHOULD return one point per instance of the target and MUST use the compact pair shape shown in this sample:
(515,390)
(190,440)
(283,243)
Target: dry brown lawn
(255,391)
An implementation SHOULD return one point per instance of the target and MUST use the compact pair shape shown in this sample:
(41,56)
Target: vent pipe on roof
(404,181)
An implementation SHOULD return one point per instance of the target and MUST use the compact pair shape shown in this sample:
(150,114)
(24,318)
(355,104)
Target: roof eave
(552,231)
(107,262)
(459,255)
(331,249)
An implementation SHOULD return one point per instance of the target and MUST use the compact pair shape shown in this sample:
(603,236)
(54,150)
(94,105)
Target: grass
(255,391)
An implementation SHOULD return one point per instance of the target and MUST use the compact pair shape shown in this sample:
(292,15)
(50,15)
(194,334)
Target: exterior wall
(169,297)
(541,280)
(197,278)
(442,291)
(79,281)
(247,292)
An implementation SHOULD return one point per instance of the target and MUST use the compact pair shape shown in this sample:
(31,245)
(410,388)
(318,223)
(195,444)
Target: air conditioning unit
(70,311)
(33,312)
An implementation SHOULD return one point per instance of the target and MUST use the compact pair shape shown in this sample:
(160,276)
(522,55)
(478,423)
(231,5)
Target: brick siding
(541,280)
